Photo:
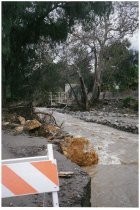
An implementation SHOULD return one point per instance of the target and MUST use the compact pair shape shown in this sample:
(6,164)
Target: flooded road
(114,181)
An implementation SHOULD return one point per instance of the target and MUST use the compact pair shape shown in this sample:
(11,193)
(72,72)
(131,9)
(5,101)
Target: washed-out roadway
(114,180)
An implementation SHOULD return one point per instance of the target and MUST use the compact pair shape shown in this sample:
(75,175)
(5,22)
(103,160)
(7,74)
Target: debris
(125,115)
(5,123)
(10,125)
(52,129)
(50,138)
(19,129)
(31,124)
(65,173)
(11,118)
(60,137)
(11,204)
(79,150)
(22,120)
(48,118)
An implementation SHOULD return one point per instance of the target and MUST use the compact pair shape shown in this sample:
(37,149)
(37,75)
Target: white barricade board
(25,176)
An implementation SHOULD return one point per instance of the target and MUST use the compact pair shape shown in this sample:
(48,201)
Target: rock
(79,150)
(10,125)
(22,120)
(31,124)
(50,138)
(19,129)
(52,129)
(5,123)
(125,115)
(11,204)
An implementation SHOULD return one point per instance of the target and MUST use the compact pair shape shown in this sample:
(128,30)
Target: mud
(74,191)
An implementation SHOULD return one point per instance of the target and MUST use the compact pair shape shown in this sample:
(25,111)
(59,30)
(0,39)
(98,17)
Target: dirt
(79,151)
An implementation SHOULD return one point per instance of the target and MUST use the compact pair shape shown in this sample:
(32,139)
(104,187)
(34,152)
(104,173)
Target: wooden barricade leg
(55,199)
(54,194)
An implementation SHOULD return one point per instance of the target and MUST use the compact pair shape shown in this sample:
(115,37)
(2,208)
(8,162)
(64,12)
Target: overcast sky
(135,41)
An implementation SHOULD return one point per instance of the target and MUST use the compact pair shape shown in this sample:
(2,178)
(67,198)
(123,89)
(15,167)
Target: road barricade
(33,175)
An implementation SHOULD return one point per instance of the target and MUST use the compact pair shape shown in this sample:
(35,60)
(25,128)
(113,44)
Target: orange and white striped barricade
(33,175)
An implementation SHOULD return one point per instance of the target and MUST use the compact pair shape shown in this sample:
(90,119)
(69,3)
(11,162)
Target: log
(65,174)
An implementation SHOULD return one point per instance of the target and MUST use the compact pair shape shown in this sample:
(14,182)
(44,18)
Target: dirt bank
(74,191)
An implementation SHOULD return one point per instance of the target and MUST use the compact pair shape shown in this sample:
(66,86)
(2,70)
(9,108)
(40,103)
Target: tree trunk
(76,98)
(84,96)
(96,91)
(97,78)
(3,87)
(3,93)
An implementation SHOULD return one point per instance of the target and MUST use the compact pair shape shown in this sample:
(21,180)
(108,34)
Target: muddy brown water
(114,181)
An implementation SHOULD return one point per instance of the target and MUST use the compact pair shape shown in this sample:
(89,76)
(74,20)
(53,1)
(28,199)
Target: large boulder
(79,150)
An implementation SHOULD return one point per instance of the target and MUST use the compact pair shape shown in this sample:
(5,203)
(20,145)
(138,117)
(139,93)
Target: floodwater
(114,181)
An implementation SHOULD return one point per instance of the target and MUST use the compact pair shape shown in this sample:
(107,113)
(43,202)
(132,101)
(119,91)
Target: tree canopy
(82,34)
(120,67)
(23,23)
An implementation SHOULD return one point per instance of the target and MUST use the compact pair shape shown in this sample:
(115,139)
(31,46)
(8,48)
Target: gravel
(120,121)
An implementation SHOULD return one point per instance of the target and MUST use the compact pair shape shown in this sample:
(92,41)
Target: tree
(77,69)
(81,71)
(120,67)
(23,23)
(96,35)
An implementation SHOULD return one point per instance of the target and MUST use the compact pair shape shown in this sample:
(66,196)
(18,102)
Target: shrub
(130,102)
